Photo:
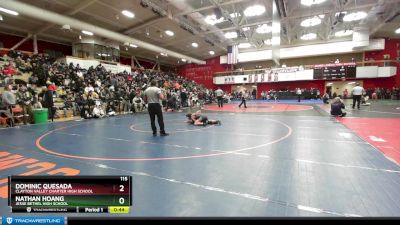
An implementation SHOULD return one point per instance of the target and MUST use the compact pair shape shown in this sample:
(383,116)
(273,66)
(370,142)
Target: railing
(7,50)
(380,63)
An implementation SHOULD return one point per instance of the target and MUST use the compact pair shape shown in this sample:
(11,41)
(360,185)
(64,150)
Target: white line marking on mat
(317,139)
(243,195)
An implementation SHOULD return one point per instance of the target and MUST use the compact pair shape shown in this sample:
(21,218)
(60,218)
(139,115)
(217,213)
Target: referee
(357,92)
(152,96)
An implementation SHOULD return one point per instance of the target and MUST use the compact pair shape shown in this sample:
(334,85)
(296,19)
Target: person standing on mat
(48,102)
(152,96)
(357,92)
(298,93)
(219,93)
(244,96)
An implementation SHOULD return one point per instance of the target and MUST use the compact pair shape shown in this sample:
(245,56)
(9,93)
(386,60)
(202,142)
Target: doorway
(341,89)
(251,89)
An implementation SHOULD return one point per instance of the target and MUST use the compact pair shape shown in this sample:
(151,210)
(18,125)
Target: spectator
(138,103)
(298,93)
(245,95)
(325,98)
(336,107)
(98,112)
(345,93)
(48,102)
(25,99)
(8,97)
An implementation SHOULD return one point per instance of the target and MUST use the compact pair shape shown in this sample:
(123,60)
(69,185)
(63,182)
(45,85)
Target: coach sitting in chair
(336,107)
(137,103)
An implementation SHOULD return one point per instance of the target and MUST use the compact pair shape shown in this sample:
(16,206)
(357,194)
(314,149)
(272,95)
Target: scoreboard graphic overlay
(77,194)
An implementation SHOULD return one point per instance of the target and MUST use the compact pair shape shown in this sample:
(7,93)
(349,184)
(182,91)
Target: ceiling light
(169,33)
(9,11)
(397,31)
(343,33)
(244,45)
(311,2)
(263,29)
(211,52)
(254,10)
(268,42)
(128,13)
(234,15)
(246,28)
(231,35)
(195,45)
(309,36)
(87,33)
(163,54)
(310,22)
(80,37)
(133,46)
(1,17)
(212,19)
(354,16)
(183,60)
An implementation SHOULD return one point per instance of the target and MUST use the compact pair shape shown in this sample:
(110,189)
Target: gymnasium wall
(202,74)
(392,48)
(303,61)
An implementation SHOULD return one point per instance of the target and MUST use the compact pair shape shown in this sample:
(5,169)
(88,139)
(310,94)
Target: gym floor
(271,159)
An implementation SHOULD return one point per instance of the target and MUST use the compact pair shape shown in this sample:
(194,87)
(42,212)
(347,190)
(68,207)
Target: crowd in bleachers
(94,92)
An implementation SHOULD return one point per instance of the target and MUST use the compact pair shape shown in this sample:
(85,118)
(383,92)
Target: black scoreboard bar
(334,71)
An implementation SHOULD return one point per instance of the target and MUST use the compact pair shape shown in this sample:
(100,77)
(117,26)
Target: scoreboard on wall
(334,71)
(77,194)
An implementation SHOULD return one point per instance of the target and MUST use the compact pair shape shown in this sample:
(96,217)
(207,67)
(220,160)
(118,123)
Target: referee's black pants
(220,101)
(243,102)
(356,98)
(155,109)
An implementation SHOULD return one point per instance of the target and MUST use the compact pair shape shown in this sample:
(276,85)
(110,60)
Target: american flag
(233,52)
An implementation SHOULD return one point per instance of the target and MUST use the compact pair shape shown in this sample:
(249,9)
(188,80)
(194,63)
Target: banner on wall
(266,76)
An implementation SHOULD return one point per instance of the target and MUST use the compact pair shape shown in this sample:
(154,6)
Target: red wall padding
(202,74)
(392,48)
